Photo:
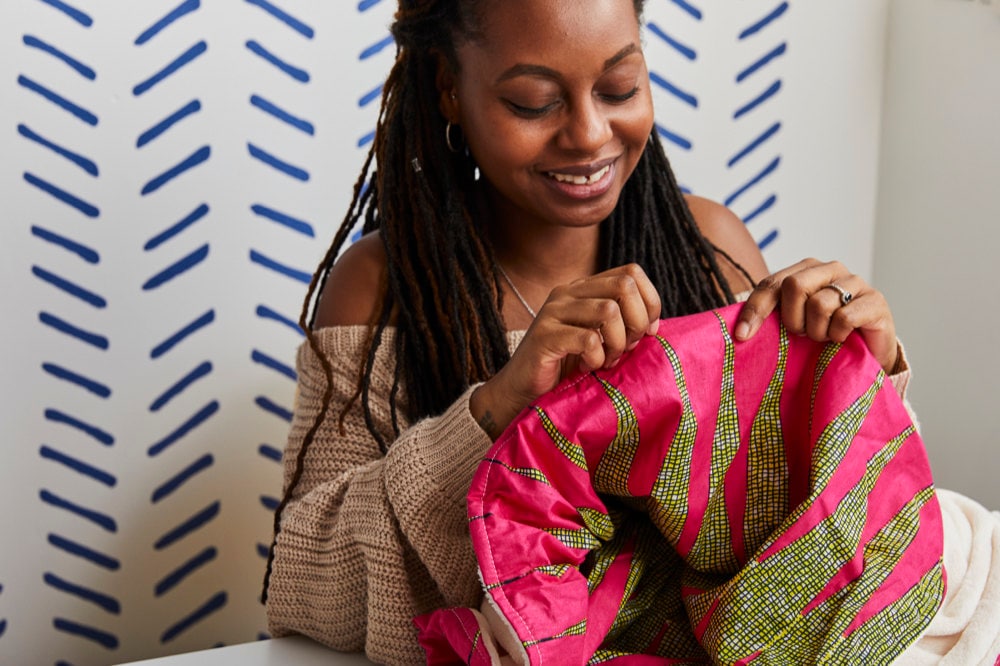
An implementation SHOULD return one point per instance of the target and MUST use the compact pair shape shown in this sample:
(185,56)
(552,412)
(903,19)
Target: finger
(798,290)
(829,312)
(629,285)
(602,315)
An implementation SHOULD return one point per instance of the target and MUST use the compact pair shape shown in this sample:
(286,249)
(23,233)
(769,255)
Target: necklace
(510,284)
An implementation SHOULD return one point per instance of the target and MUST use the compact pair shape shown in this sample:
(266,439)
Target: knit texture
(368,542)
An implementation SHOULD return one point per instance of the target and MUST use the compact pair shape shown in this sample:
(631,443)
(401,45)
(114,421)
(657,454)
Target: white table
(296,650)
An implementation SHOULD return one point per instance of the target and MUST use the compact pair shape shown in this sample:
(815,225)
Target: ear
(446,83)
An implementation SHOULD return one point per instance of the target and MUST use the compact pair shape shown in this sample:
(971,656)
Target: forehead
(543,31)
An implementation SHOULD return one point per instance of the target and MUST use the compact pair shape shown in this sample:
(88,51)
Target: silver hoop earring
(447,137)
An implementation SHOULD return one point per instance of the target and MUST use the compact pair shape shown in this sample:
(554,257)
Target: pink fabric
(708,500)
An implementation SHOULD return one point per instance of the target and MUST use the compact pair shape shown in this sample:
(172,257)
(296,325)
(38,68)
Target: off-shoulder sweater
(368,541)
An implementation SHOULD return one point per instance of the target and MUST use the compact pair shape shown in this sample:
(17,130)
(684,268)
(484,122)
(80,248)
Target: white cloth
(966,629)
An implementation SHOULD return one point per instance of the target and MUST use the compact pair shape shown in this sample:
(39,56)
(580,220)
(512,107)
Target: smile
(581,180)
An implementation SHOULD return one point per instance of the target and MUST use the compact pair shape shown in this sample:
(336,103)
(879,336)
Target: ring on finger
(845,296)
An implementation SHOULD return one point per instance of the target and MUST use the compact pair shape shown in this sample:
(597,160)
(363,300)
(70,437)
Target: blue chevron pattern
(173,175)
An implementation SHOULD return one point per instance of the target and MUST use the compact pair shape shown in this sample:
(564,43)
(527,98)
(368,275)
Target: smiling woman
(523,224)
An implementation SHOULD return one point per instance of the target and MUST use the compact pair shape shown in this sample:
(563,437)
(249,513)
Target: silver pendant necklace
(510,284)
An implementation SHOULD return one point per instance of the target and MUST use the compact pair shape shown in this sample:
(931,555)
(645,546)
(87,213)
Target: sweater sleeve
(367,541)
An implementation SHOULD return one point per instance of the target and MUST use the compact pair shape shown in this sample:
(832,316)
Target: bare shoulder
(727,232)
(354,285)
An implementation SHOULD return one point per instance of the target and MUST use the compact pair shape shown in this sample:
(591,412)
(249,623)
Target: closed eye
(620,99)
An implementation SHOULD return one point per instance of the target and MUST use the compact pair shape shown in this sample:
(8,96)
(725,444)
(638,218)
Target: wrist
(491,408)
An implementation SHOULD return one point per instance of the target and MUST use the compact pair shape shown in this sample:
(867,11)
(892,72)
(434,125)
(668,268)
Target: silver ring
(845,296)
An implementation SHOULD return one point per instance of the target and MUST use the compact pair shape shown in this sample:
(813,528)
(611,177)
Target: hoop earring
(447,138)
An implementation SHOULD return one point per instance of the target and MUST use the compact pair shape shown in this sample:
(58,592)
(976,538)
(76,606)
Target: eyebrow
(524,69)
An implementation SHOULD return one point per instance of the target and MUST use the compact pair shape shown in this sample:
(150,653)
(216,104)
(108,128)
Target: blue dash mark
(265,312)
(753,145)
(366,139)
(82,251)
(108,603)
(370,96)
(764,22)
(673,137)
(100,435)
(171,68)
(258,258)
(376,48)
(282,115)
(182,477)
(63,326)
(273,162)
(768,203)
(102,520)
(689,8)
(292,223)
(198,419)
(191,161)
(365,5)
(289,20)
(77,159)
(72,12)
(212,605)
(168,233)
(190,378)
(103,638)
(296,73)
(196,521)
(683,49)
(68,287)
(89,554)
(274,364)
(766,171)
(766,58)
(79,466)
(269,503)
(272,407)
(263,551)
(60,101)
(174,578)
(192,107)
(60,372)
(62,195)
(81,69)
(768,239)
(757,101)
(184,8)
(269,452)
(168,344)
(682,95)
(177,268)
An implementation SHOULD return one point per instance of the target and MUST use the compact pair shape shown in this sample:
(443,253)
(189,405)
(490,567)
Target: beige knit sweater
(368,542)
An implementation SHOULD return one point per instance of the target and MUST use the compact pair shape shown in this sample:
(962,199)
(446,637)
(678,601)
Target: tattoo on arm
(488,425)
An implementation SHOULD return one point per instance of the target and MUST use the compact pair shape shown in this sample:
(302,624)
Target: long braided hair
(442,286)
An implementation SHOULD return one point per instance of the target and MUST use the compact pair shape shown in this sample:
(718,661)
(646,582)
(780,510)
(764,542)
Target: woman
(523,221)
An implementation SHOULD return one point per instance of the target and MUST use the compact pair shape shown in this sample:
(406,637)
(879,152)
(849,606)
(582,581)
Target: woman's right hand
(586,324)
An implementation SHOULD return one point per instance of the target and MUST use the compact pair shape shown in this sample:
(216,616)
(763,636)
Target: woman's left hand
(810,306)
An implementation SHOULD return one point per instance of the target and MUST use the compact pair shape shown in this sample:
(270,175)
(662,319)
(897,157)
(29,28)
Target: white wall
(80,567)
(939,227)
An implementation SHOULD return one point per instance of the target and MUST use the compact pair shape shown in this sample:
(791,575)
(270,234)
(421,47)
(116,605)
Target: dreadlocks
(442,285)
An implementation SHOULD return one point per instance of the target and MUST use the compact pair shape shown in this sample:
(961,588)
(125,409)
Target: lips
(583,181)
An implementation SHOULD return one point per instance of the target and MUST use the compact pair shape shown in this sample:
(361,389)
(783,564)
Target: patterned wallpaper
(172,173)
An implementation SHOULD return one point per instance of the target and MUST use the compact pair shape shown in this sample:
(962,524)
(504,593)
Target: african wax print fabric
(705,501)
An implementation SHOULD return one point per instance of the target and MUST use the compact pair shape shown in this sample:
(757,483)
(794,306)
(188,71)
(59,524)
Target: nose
(587,127)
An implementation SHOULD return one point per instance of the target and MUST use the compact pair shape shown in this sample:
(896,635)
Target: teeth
(581,180)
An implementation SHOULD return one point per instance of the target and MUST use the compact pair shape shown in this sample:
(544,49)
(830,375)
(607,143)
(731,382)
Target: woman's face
(554,104)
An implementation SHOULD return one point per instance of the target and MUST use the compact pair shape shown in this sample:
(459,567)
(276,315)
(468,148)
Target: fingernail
(742,330)
(654,328)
